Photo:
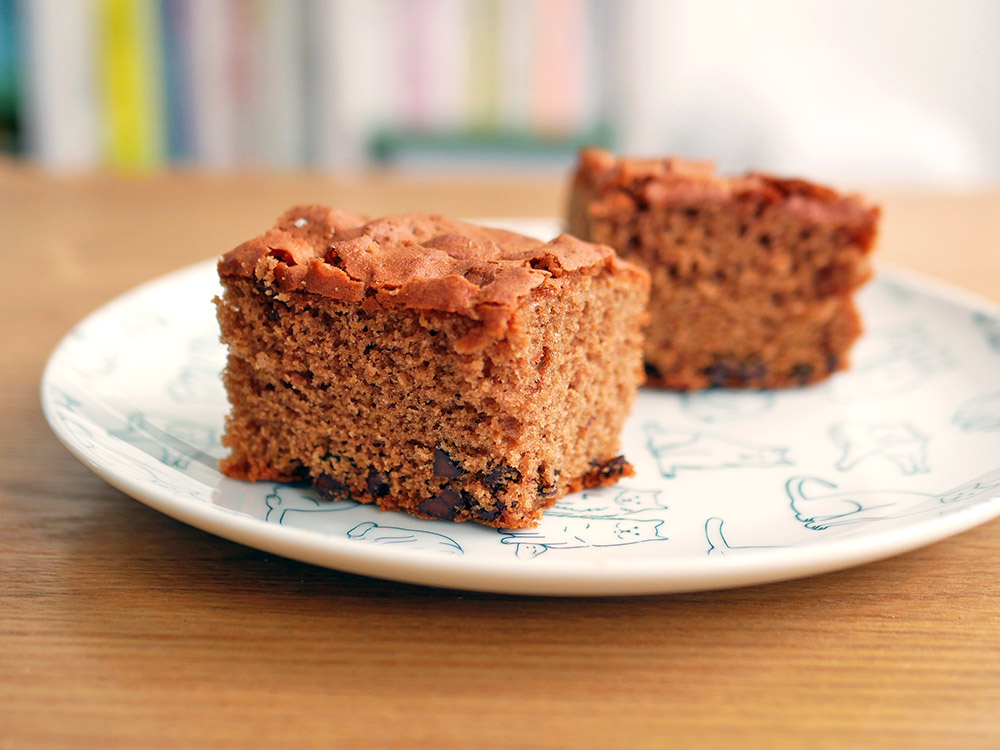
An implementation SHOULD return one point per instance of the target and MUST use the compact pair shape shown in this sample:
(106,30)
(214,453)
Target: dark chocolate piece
(801,373)
(445,505)
(445,466)
(610,469)
(329,487)
(489,514)
(378,484)
(497,479)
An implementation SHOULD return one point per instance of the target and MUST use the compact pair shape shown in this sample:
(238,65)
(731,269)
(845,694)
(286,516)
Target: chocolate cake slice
(753,277)
(429,365)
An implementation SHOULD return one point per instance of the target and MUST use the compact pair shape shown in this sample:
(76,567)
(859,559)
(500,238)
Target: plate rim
(551,577)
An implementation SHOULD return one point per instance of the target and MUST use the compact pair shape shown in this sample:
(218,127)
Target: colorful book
(130,65)
(355,64)
(10,85)
(278,90)
(61,104)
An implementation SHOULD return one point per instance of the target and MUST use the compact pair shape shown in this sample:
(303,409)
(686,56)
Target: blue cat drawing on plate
(724,405)
(989,326)
(821,504)
(399,537)
(899,444)
(284,503)
(719,546)
(685,450)
(560,533)
(980,414)
(176,443)
(890,361)
(608,503)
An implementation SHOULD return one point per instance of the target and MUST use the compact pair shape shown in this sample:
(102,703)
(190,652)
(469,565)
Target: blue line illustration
(821,504)
(607,504)
(402,538)
(980,414)
(899,443)
(718,545)
(176,444)
(889,361)
(723,405)
(283,501)
(198,382)
(577,533)
(676,450)
(989,326)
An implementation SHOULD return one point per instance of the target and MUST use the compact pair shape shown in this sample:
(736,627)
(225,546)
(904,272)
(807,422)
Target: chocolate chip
(445,467)
(445,505)
(329,487)
(731,372)
(832,362)
(652,372)
(719,374)
(753,370)
(489,514)
(497,479)
(547,490)
(801,373)
(378,484)
(716,375)
(610,469)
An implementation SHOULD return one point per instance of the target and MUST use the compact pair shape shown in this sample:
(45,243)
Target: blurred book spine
(177,75)
(277,83)
(10,84)
(484,64)
(61,96)
(132,83)
(355,61)
(517,44)
(211,29)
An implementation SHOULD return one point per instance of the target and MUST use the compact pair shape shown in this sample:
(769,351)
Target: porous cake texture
(429,365)
(753,277)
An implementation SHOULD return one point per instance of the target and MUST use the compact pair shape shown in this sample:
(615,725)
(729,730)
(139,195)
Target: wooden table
(122,627)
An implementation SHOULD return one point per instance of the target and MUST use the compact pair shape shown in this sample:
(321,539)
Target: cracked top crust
(672,181)
(421,262)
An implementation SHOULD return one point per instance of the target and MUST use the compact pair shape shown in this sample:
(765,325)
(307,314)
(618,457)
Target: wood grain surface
(120,627)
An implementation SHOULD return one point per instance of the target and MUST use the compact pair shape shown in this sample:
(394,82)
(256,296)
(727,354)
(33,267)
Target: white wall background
(876,90)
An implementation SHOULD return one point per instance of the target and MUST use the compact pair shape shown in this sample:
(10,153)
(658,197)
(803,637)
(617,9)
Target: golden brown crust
(418,262)
(606,181)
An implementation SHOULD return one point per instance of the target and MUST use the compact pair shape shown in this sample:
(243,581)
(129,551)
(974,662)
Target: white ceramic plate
(731,488)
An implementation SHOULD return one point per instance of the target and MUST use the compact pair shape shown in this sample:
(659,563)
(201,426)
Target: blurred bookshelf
(138,84)
(842,92)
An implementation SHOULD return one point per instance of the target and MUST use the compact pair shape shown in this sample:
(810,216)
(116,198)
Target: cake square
(429,365)
(753,277)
